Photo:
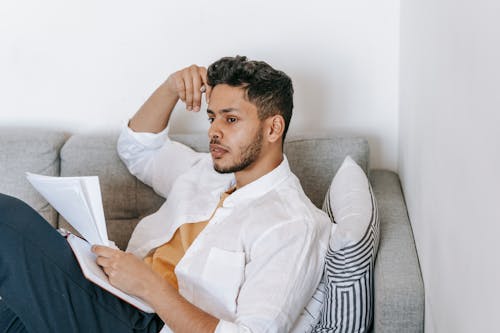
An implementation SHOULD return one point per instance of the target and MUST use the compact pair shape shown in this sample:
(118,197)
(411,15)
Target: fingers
(105,263)
(197,85)
(208,93)
(108,259)
(104,251)
(189,83)
(206,86)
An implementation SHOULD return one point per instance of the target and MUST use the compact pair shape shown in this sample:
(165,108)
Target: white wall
(88,65)
(450,156)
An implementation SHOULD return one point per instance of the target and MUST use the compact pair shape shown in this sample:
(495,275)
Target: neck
(258,169)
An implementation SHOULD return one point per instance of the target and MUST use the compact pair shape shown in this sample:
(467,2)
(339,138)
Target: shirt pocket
(223,275)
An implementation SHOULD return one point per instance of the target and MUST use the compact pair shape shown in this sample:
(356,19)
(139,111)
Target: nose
(214,132)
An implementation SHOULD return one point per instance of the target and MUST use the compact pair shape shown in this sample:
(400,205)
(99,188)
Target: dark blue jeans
(42,288)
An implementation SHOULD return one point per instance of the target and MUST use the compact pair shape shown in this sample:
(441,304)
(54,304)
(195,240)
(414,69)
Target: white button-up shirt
(259,259)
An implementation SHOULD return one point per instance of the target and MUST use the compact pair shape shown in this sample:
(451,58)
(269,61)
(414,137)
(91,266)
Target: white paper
(78,200)
(94,273)
(92,190)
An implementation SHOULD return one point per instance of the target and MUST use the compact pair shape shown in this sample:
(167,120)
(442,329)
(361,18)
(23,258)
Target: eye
(210,120)
(231,119)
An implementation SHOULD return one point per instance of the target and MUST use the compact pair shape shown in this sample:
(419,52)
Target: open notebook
(78,200)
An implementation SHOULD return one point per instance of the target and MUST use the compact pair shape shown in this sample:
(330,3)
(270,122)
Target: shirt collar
(259,186)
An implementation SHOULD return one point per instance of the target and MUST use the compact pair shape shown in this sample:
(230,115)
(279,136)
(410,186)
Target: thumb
(208,92)
(208,88)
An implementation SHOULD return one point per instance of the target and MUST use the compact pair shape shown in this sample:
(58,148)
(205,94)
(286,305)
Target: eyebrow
(223,110)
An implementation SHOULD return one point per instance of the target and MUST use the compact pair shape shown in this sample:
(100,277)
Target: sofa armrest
(399,291)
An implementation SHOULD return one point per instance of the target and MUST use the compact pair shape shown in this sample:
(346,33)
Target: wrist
(169,89)
(154,288)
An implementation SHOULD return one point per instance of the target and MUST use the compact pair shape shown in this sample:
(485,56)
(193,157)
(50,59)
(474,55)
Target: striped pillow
(348,273)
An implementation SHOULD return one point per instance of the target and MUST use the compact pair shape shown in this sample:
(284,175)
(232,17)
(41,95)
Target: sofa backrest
(313,158)
(32,150)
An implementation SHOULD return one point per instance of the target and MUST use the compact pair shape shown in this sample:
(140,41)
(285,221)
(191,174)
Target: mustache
(215,141)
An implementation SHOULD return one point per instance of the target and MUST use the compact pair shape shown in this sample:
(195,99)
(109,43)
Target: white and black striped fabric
(348,280)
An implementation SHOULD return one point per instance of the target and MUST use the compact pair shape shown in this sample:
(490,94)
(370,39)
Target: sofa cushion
(29,150)
(349,264)
(315,159)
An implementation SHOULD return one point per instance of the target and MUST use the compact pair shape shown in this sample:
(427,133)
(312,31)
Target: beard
(249,154)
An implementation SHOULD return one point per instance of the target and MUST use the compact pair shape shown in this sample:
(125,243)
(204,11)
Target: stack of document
(78,200)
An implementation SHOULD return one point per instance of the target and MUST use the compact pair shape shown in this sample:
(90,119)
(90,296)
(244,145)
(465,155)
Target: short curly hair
(269,89)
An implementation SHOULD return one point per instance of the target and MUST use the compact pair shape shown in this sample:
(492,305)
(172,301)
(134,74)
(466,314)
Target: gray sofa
(399,295)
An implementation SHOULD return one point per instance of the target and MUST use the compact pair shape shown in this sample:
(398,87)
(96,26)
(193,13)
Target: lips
(217,151)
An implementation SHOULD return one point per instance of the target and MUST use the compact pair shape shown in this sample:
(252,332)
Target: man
(236,247)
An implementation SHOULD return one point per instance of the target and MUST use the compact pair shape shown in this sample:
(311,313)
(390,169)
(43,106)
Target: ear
(275,125)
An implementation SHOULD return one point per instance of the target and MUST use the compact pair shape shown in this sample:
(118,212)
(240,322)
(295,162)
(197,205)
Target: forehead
(224,97)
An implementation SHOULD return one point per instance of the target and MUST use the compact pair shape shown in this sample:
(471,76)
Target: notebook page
(94,273)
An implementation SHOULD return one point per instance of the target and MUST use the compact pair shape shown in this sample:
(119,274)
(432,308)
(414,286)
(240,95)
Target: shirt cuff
(146,139)
(229,327)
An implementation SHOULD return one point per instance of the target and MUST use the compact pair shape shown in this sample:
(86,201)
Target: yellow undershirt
(165,257)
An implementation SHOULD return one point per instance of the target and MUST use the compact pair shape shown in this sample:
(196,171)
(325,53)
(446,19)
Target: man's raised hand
(186,85)
(189,84)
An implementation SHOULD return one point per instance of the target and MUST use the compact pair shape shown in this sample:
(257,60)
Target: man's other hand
(189,84)
(124,270)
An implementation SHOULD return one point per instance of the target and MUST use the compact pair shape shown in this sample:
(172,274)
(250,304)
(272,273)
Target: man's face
(235,130)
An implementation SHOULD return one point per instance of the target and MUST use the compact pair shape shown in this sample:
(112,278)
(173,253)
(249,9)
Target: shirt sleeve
(154,159)
(226,327)
(284,269)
